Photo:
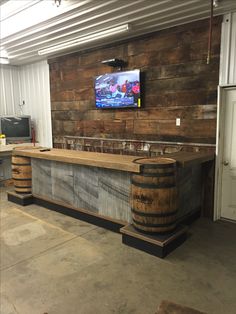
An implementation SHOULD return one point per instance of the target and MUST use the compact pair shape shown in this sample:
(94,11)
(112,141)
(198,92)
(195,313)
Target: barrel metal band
(153,186)
(15,155)
(28,164)
(22,187)
(154,225)
(23,192)
(157,166)
(164,174)
(153,214)
(154,165)
(21,179)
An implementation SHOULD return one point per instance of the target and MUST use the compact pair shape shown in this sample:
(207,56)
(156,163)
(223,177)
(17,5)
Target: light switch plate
(177,121)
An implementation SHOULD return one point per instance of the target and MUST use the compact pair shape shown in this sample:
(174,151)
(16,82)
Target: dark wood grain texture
(176,82)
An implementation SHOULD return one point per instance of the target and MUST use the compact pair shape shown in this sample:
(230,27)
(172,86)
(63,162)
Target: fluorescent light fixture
(84,39)
(3,56)
(3,53)
(4,60)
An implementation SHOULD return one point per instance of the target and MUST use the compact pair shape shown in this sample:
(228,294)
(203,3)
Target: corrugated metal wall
(35,92)
(28,84)
(9,90)
(228,50)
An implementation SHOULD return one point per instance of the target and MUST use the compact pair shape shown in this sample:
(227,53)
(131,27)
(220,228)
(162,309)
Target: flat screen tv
(16,128)
(118,90)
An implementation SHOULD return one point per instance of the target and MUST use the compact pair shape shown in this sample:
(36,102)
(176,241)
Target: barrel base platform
(158,245)
(20,199)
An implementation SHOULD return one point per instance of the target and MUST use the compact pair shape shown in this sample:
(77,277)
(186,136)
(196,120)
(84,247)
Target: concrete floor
(54,264)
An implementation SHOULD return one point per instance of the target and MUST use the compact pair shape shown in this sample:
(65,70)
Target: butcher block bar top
(186,159)
(101,160)
(110,161)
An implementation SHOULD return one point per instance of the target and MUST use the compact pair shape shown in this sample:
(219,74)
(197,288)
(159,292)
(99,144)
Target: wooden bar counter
(111,161)
(101,160)
(99,183)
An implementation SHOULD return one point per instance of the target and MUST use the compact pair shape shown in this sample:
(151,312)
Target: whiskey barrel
(154,195)
(21,174)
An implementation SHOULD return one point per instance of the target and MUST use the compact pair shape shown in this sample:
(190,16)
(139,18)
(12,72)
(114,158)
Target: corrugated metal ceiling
(82,18)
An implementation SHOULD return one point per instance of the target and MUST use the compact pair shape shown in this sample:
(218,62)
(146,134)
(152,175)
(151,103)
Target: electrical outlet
(177,121)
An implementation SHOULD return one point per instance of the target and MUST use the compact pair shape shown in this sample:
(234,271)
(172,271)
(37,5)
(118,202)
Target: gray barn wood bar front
(100,184)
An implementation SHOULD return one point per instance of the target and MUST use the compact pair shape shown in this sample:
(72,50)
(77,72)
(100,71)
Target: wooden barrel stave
(154,197)
(22,174)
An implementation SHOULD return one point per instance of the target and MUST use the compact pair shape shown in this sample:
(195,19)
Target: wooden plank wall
(99,190)
(176,82)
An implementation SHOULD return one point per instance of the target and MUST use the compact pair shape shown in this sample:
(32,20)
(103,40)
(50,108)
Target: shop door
(228,190)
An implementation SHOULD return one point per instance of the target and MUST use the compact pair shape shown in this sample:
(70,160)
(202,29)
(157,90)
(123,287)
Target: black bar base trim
(151,248)
(22,199)
(98,221)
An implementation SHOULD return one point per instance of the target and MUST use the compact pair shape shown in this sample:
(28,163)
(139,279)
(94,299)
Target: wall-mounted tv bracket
(115,63)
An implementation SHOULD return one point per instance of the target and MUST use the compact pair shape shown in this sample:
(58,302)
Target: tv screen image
(16,128)
(118,90)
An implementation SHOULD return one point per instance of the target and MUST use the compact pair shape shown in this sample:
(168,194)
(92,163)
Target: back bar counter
(99,184)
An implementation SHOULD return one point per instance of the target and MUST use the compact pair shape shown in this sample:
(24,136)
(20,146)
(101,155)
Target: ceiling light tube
(3,53)
(4,60)
(85,39)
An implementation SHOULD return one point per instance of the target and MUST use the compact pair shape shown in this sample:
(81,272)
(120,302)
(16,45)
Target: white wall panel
(28,84)
(35,93)
(9,90)
(228,50)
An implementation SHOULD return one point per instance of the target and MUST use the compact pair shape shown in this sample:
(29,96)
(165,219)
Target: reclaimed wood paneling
(98,190)
(107,191)
(41,177)
(114,194)
(176,83)
(86,187)
(189,184)
(62,182)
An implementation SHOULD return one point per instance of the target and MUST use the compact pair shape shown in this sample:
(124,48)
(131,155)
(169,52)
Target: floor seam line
(40,220)
(41,253)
